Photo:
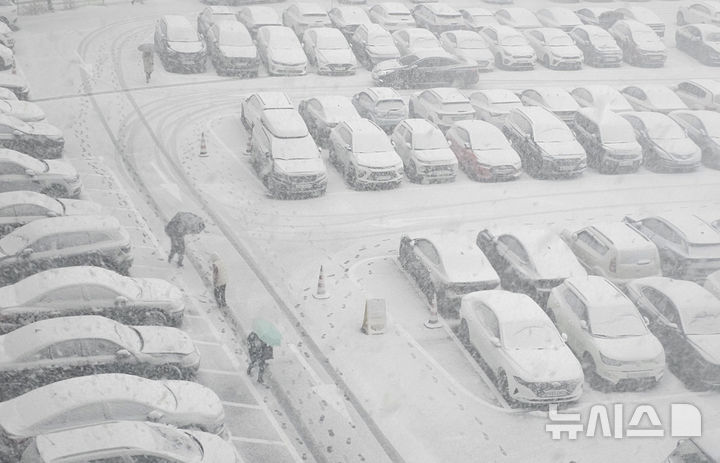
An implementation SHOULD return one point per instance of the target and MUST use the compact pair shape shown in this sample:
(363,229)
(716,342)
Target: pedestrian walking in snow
(183,223)
(148,63)
(219,279)
(132,2)
(260,353)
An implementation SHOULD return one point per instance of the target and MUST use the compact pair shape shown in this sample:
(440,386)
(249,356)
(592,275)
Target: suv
(700,94)
(545,144)
(615,251)
(63,242)
(639,43)
(438,17)
(509,47)
(608,139)
(361,151)
(52,177)
(179,45)
(382,105)
(285,156)
(424,150)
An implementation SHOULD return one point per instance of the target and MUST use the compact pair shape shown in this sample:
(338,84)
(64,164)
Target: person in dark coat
(148,64)
(176,232)
(259,352)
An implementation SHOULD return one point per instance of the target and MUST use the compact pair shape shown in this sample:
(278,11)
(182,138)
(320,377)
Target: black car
(231,49)
(703,128)
(641,46)
(426,69)
(598,46)
(179,45)
(322,113)
(701,41)
(685,317)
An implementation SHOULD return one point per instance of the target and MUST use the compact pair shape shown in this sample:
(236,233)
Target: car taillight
(613,265)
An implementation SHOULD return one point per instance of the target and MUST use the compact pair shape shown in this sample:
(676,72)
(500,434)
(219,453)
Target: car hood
(435,155)
(155,289)
(546,364)
(388,65)
(80,207)
(165,340)
(479,271)
(215,449)
(501,157)
(287,55)
(708,345)
(198,403)
(342,56)
(382,160)
(652,46)
(46,130)
(631,348)
(238,52)
(678,147)
(186,47)
(300,166)
(567,50)
(482,54)
(519,50)
(564,148)
(625,147)
(384,50)
(62,168)
(26,111)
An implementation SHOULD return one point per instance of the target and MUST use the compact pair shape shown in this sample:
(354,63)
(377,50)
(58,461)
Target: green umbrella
(267,332)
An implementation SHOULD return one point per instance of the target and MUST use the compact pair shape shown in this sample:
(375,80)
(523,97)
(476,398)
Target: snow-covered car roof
(520,14)
(641,13)
(541,118)
(605,93)
(688,296)
(284,123)
(375,30)
(503,30)
(310,8)
(394,7)
(326,33)
(598,291)
(41,227)
(713,86)
(695,229)
(220,9)
(507,306)
(449,95)
(549,32)
(383,93)
(419,126)
(710,119)
(633,25)
(477,11)
(550,256)
(362,127)
(651,118)
(465,35)
(561,14)
(433,53)
(462,260)
(337,108)
(499,95)
(557,98)
(279,33)
(354,12)
(415,33)
(595,10)
(704,28)
(442,9)
(263,14)
(623,236)
(176,20)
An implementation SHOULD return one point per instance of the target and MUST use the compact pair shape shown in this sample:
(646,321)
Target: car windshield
(429,139)
(390,105)
(617,133)
(129,336)
(170,441)
(560,41)
(616,322)
(665,130)
(182,34)
(371,144)
(235,37)
(294,148)
(381,40)
(13,243)
(553,134)
(487,140)
(513,41)
(283,40)
(645,36)
(533,334)
(603,39)
(472,44)
(328,42)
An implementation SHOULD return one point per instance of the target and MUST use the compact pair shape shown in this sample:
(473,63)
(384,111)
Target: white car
(256,16)
(469,46)
(702,12)
(559,18)
(23,110)
(328,50)
(302,16)
(519,343)
(493,105)
(653,97)
(510,48)
(442,106)
(424,151)
(255,105)
(554,48)
(281,51)
(700,93)
(601,97)
(476,18)
(555,99)
(517,17)
(392,16)
(645,16)
(18,208)
(415,39)
(483,152)
(607,333)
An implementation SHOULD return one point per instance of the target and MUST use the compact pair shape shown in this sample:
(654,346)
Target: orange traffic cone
(434,321)
(321,292)
(203,146)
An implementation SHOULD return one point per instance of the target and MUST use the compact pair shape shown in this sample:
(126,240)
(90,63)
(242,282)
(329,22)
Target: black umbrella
(185,223)
(146,47)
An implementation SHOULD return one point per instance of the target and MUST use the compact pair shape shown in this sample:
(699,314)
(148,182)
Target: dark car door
(665,324)
(426,270)
(583,42)
(105,356)
(411,262)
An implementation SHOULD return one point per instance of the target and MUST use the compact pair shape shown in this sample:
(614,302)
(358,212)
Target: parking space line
(206,343)
(242,405)
(215,371)
(257,441)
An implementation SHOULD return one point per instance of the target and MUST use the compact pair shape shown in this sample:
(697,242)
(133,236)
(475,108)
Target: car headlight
(609,361)
(522,382)
(382,72)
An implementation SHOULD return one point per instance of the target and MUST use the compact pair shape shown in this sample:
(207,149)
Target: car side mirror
(408,145)
(51,214)
(564,337)
(123,354)
(646,320)
(467,145)
(583,325)
(672,326)
(27,252)
(155,416)
(30,173)
(495,341)
(121,301)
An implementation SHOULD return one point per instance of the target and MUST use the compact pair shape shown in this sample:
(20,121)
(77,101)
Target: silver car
(52,177)
(18,208)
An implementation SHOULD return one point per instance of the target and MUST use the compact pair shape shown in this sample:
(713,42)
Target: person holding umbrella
(183,223)
(260,342)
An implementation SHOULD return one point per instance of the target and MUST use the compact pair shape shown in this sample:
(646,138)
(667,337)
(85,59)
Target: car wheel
(55,191)
(351,176)
(166,372)
(412,173)
(411,111)
(590,370)
(681,19)
(501,382)
(546,62)
(155,318)
(464,332)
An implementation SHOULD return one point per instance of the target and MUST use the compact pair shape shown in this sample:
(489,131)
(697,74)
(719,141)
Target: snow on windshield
(370,144)
(472,44)
(530,335)
(294,148)
(235,37)
(617,132)
(430,139)
(490,138)
(665,130)
(181,34)
(616,322)
(560,41)
(513,41)
(553,134)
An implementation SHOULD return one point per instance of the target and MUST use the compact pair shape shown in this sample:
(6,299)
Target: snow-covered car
(701,41)
(179,45)
(703,127)
(52,177)
(211,15)
(426,69)
(476,18)
(372,44)
(302,16)
(606,333)
(255,105)
(65,347)
(665,144)
(382,105)
(653,97)
(608,139)
(7,57)
(700,93)
(509,47)
(598,16)
(324,112)
(16,83)
(685,317)
(530,261)
(469,46)
(103,398)
(364,156)
(327,49)
(446,266)
(597,46)
(231,49)
(285,156)
(18,208)
(281,51)
(136,440)
(640,45)
(348,18)
(702,12)
(494,104)
(442,106)
(615,251)
(90,290)
(712,283)
(437,17)
(601,96)
(482,151)
(415,39)
(555,99)
(689,246)
(56,242)
(23,110)
(545,143)
(554,48)
(392,16)
(40,139)
(9,14)
(558,17)
(517,17)
(525,352)
(645,16)
(7,94)
(424,151)
(256,16)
